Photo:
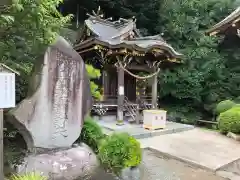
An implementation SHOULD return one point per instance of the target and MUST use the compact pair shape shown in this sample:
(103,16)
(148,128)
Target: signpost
(1,145)
(7,100)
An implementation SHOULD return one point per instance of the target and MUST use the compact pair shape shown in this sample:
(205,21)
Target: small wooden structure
(119,50)
(229,25)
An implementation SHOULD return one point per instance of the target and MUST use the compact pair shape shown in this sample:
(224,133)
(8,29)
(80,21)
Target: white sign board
(7,90)
(121,90)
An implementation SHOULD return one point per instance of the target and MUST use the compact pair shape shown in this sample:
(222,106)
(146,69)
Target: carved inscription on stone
(62,94)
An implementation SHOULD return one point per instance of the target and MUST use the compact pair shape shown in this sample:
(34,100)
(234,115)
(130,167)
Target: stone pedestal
(78,162)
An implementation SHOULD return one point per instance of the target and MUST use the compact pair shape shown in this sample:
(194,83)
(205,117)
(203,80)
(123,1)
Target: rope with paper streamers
(134,75)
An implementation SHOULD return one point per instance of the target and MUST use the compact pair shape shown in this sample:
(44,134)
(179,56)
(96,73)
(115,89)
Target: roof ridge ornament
(97,14)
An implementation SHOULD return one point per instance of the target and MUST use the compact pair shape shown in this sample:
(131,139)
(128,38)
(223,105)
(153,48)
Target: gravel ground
(155,167)
(161,168)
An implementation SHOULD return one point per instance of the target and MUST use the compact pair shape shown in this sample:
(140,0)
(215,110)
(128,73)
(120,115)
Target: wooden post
(120,96)
(105,82)
(1,145)
(154,92)
(138,101)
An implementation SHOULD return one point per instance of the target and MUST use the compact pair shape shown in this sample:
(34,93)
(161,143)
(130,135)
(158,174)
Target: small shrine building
(126,59)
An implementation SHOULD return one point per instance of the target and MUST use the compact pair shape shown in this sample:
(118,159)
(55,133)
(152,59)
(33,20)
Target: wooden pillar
(1,145)
(105,83)
(120,96)
(154,91)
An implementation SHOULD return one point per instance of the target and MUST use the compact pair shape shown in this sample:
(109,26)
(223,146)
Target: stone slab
(233,167)
(228,175)
(230,171)
(203,148)
(139,132)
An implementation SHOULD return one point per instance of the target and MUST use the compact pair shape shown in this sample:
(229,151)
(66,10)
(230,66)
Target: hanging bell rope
(134,75)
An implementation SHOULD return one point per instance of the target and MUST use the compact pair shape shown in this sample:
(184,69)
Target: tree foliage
(203,79)
(210,72)
(146,12)
(26,29)
(94,74)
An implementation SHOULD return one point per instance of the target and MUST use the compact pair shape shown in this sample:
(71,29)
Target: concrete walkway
(202,148)
(139,132)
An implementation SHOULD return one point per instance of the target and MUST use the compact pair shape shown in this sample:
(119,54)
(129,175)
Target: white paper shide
(121,90)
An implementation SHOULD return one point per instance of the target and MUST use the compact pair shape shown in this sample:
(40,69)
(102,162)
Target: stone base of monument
(74,163)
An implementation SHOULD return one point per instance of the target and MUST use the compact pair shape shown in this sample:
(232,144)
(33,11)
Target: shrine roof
(144,44)
(230,20)
(107,29)
(120,34)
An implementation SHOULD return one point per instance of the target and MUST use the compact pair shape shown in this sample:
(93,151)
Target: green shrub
(135,153)
(118,151)
(224,106)
(229,121)
(29,176)
(91,134)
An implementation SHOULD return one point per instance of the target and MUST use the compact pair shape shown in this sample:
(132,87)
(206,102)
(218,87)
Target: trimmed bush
(224,106)
(119,151)
(135,153)
(229,121)
(91,134)
(29,176)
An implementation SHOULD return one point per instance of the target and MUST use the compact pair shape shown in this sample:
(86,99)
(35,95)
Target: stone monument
(59,98)
(52,115)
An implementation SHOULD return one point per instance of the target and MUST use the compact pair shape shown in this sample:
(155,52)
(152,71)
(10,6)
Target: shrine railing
(145,102)
(100,107)
(131,109)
